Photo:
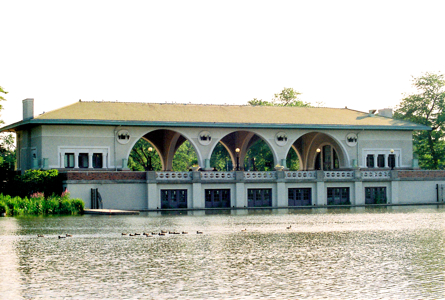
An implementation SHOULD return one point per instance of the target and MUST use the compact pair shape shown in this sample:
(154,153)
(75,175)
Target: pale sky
(359,54)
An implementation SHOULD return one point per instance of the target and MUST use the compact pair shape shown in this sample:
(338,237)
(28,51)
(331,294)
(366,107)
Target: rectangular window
(97,160)
(370,161)
(173,199)
(217,198)
(392,161)
(69,160)
(338,196)
(83,160)
(299,197)
(381,161)
(375,195)
(259,197)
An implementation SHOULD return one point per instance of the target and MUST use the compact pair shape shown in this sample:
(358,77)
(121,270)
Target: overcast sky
(359,54)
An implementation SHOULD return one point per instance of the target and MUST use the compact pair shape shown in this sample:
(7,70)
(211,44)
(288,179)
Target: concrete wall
(49,139)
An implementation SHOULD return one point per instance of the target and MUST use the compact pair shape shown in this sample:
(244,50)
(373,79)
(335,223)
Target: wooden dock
(110,212)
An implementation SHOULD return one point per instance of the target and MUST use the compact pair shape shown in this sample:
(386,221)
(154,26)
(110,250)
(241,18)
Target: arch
(242,139)
(308,143)
(166,142)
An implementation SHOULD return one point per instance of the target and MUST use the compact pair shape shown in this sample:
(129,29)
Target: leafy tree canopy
(287,97)
(426,107)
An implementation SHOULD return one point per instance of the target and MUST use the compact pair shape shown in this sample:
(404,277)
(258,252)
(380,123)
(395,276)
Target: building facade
(345,156)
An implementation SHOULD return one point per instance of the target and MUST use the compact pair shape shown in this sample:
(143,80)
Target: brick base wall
(104,175)
(421,174)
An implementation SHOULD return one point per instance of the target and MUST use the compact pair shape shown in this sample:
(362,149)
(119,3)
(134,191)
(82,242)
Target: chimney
(386,112)
(28,108)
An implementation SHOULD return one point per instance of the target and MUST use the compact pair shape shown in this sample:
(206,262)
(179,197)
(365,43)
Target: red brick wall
(83,175)
(421,174)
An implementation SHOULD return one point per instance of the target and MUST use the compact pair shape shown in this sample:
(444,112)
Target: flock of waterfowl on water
(162,233)
(148,234)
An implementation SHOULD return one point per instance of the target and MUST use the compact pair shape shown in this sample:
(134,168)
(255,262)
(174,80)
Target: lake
(350,253)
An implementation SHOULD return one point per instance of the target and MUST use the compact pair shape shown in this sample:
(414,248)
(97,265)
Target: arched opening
(144,157)
(258,156)
(319,151)
(220,159)
(326,159)
(293,160)
(162,149)
(242,151)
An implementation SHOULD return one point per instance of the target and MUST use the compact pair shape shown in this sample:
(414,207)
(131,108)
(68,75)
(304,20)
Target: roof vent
(386,112)
(372,112)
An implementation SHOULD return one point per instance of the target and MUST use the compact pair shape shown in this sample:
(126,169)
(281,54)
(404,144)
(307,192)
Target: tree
(426,107)
(7,148)
(287,97)
(141,159)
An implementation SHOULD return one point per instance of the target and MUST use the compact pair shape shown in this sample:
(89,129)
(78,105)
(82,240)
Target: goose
(61,237)
(198,232)
(161,233)
(123,233)
(184,232)
(245,229)
(131,234)
(289,227)
(69,235)
(40,235)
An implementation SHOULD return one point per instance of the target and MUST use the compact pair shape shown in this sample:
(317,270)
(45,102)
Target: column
(198,200)
(240,195)
(394,192)
(321,194)
(359,198)
(90,160)
(76,160)
(153,197)
(281,195)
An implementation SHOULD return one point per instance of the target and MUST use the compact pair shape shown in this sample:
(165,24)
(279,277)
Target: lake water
(366,253)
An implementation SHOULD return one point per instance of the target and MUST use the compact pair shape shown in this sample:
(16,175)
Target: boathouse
(345,156)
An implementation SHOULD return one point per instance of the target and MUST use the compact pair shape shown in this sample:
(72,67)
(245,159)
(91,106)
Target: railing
(300,174)
(339,174)
(218,175)
(260,175)
(174,175)
(376,174)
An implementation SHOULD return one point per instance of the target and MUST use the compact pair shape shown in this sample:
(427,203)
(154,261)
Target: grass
(38,204)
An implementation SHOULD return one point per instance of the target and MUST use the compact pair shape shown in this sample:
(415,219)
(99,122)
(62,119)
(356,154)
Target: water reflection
(387,252)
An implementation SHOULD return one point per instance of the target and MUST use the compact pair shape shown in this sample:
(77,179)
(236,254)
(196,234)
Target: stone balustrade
(300,174)
(338,174)
(174,176)
(217,175)
(258,175)
(376,174)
